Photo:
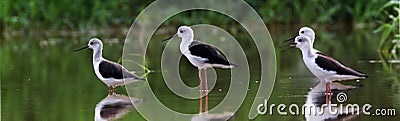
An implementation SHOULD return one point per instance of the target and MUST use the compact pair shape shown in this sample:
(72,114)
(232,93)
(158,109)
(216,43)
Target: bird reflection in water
(114,106)
(226,116)
(316,97)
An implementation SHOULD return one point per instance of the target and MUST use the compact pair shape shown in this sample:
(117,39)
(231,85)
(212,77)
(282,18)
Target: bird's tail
(134,80)
(233,65)
(141,79)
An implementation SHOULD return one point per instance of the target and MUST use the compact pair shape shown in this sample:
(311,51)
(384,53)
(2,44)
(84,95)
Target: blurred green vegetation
(21,14)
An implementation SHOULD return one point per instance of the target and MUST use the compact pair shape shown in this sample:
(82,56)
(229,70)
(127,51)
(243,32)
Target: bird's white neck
(97,55)
(312,42)
(184,46)
(308,52)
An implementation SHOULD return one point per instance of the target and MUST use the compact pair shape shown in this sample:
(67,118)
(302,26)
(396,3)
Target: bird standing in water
(111,73)
(201,55)
(323,66)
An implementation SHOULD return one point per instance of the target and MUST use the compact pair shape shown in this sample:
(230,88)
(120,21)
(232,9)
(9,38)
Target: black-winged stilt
(201,55)
(323,66)
(111,73)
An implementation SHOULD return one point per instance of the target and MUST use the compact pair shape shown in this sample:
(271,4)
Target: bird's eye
(300,40)
(302,32)
(91,43)
(181,31)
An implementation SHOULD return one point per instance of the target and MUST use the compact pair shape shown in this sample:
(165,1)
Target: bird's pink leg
(328,95)
(205,76)
(109,89)
(330,91)
(201,95)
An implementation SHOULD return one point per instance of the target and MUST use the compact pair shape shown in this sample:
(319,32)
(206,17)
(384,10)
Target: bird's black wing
(328,63)
(110,70)
(207,51)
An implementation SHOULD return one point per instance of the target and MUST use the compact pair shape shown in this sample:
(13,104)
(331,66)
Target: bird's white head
(95,44)
(185,32)
(302,42)
(306,31)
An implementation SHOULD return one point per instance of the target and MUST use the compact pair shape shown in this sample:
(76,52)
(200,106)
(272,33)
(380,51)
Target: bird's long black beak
(79,49)
(289,45)
(175,35)
(292,38)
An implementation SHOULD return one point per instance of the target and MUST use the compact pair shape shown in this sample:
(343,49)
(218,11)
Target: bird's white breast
(195,60)
(109,81)
(309,61)
(96,70)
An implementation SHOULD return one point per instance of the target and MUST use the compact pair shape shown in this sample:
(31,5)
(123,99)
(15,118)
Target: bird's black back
(110,70)
(328,63)
(207,51)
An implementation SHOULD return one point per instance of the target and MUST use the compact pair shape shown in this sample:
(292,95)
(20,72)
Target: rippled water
(42,79)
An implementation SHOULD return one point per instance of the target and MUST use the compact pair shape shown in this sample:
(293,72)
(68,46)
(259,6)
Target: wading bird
(323,66)
(111,73)
(201,55)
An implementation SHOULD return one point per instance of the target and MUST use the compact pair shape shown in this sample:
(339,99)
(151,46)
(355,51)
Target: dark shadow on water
(115,106)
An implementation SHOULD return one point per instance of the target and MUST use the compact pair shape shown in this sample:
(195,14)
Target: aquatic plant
(390,36)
